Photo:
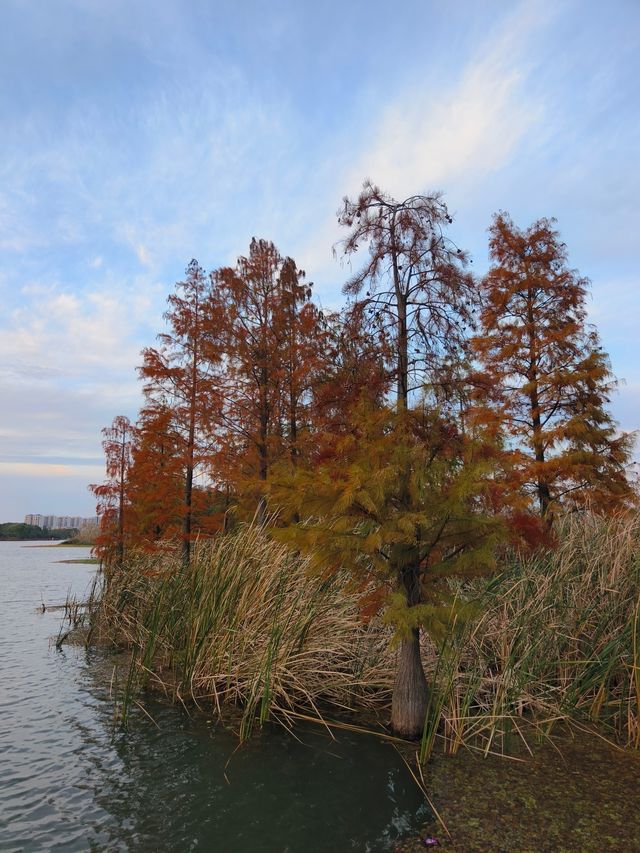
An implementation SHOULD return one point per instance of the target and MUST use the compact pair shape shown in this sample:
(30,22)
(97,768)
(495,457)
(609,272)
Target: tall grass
(558,639)
(246,624)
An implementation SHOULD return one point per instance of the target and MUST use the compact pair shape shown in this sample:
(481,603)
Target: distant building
(60,522)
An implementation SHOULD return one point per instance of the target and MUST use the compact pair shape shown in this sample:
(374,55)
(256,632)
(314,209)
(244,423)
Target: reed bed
(557,639)
(245,625)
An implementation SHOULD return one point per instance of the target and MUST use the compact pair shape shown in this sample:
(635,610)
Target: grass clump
(246,624)
(557,640)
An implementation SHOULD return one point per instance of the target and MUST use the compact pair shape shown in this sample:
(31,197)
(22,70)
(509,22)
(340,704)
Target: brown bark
(191,438)
(542,487)
(410,690)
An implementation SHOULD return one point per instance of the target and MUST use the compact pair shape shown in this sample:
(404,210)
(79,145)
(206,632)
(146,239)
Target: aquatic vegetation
(577,793)
(244,624)
(558,639)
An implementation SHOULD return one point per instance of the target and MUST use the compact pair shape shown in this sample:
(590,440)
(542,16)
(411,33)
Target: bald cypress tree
(550,379)
(181,376)
(399,500)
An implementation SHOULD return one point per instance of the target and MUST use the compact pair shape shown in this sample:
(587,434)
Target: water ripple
(70,783)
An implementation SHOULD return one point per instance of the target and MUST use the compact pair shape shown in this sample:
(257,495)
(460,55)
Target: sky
(138,134)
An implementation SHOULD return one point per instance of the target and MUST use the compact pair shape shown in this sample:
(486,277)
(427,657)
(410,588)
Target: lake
(72,781)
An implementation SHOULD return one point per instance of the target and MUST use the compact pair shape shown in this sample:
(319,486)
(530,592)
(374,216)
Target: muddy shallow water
(580,794)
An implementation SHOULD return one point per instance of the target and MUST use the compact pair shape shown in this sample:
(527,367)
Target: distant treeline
(18,530)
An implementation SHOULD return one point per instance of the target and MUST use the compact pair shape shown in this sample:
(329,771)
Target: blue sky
(137,135)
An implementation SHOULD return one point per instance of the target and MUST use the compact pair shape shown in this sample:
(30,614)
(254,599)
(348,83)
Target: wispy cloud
(446,133)
(438,135)
(89,473)
(136,136)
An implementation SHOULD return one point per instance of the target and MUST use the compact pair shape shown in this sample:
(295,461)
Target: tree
(302,337)
(270,340)
(402,505)
(353,371)
(181,376)
(112,504)
(156,476)
(418,290)
(419,297)
(545,369)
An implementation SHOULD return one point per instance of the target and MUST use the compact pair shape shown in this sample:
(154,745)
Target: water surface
(70,781)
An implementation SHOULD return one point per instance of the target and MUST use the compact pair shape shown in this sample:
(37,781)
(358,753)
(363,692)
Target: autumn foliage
(406,437)
(546,375)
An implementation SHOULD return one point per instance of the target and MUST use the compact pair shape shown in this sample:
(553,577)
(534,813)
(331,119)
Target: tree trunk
(186,517)
(121,489)
(410,690)
(542,487)
(263,438)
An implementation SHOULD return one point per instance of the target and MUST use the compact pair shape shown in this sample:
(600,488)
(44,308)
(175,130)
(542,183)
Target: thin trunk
(123,449)
(186,518)
(542,486)
(293,442)
(263,453)
(293,431)
(403,338)
(227,503)
(188,483)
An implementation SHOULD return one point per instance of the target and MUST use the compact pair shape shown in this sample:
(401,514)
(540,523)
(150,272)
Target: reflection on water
(70,782)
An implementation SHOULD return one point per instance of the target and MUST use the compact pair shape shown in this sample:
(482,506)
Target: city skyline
(58,522)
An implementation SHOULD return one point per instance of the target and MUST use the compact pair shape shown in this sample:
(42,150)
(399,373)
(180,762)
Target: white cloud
(77,333)
(67,367)
(92,473)
(436,135)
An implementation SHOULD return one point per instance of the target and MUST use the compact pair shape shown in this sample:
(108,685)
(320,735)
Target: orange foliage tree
(181,376)
(270,332)
(353,371)
(156,477)
(112,501)
(395,498)
(547,374)
(420,294)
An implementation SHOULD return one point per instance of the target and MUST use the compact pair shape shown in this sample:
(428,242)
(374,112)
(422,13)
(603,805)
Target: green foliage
(14,530)
(402,500)
(442,619)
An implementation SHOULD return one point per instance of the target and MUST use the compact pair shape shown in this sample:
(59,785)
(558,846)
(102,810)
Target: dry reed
(557,639)
(246,624)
